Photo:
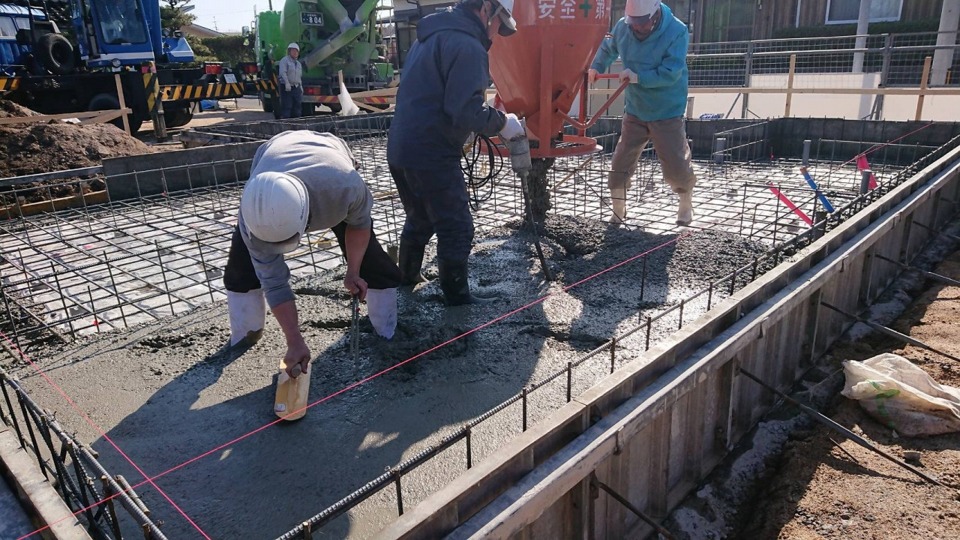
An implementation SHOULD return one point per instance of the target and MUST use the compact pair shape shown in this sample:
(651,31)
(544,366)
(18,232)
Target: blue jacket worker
(653,46)
(439,106)
(303,181)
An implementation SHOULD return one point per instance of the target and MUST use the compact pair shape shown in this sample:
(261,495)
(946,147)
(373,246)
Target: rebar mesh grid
(115,265)
(733,195)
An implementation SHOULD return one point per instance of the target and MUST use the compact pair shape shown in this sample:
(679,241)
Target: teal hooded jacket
(660,62)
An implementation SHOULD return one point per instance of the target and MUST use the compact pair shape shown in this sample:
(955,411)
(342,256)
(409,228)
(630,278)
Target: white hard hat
(297,47)
(509,25)
(641,8)
(275,208)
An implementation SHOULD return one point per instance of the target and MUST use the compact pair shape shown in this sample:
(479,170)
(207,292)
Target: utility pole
(946,37)
(863,26)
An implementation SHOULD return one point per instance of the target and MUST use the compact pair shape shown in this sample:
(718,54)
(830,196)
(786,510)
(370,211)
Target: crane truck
(63,56)
(335,36)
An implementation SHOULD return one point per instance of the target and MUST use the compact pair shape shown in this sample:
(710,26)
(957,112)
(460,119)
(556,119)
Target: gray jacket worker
(303,181)
(290,77)
(439,105)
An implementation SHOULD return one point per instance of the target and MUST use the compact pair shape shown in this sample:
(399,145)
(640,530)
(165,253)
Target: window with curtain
(848,11)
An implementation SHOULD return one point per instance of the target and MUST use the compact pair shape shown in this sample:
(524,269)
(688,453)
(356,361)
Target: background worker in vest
(291,83)
(440,106)
(303,181)
(653,46)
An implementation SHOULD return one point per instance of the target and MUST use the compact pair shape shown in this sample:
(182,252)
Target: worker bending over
(303,181)
(440,106)
(653,46)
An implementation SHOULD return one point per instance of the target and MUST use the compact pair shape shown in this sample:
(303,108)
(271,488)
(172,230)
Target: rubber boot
(685,210)
(454,281)
(618,199)
(410,262)
(248,311)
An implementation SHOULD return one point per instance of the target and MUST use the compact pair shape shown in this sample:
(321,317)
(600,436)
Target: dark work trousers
(377,268)
(436,202)
(290,102)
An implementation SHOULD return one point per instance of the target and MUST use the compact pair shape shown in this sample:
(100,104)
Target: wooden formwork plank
(532,495)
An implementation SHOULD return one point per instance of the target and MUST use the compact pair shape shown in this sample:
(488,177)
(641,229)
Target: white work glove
(288,87)
(628,76)
(592,76)
(512,129)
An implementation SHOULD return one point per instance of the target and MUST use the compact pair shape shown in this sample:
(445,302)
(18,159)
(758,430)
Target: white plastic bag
(382,309)
(902,396)
(347,106)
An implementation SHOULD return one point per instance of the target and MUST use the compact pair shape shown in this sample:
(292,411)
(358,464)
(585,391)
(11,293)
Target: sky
(229,15)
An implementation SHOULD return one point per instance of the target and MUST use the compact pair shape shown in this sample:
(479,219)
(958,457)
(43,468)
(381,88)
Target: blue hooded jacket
(440,100)
(660,62)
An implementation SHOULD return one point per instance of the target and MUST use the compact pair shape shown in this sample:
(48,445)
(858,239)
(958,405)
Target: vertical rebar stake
(682,303)
(116,292)
(93,308)
(203,264)
(709,296)
(13,325)
(63,299)
(163,274)
(355,330)
(469,447)
(524,400)
(397,476)
(649,327)
(569,380)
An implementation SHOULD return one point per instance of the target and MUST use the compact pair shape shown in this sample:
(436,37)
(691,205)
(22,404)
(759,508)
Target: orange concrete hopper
(540,70)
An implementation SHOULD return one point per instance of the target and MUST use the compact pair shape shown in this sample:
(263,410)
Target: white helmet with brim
(274,211)
(641,9)
(508,26)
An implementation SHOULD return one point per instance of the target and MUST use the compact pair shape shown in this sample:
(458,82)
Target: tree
(230,50)
(174,14)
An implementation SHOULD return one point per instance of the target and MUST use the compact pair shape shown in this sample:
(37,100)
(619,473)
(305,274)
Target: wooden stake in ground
(292,393)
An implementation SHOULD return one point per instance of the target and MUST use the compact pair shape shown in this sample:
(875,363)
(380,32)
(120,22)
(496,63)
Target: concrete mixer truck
(335,36)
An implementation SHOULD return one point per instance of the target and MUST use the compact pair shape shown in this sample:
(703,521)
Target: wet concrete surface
(167,391)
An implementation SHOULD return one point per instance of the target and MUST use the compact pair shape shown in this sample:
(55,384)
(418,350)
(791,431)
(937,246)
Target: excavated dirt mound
(55,146)
(9,109)
(58,146)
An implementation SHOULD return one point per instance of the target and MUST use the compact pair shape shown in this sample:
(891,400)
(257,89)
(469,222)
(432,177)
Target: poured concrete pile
(167,392)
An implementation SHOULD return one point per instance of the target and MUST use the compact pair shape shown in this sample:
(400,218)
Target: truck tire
(178,117)
(265,102)
(102,102)
(56,54)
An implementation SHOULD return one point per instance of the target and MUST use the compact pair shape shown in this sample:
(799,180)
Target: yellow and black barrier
(151,85)
(193,92)
(9,84)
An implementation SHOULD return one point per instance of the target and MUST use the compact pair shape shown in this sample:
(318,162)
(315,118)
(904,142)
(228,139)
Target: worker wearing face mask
(653,46)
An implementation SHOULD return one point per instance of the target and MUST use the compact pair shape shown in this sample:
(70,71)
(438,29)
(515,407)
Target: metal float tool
(519,148)
(891,332)
(292,393)
(830,423)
